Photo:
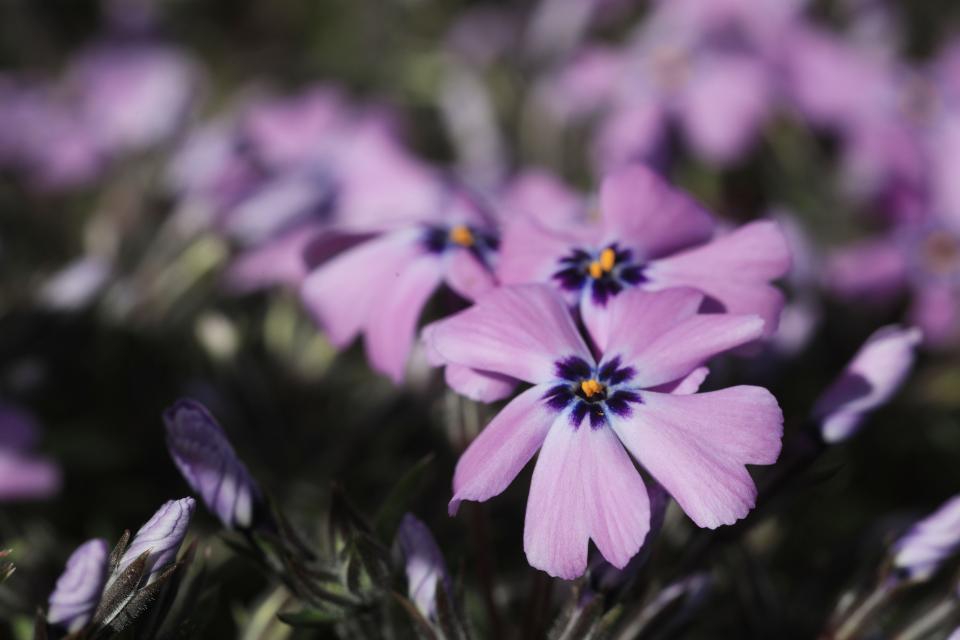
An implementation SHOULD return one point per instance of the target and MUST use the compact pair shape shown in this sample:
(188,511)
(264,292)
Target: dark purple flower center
(439,239)
(606,272)
(597,392)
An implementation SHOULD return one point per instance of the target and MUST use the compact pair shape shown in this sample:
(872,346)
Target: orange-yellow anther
(461,235)
(604,264)
(591,387)
(607,259)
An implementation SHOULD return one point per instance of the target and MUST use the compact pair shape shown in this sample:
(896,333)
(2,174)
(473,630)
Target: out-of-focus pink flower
(43,136)
(379,287)
(922,259)
(293,180)
(672,72)
(650,236)
(873,376)
(133,96)
(584,413)
(23,475)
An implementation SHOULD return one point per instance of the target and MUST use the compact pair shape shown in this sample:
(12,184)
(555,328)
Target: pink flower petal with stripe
(697,446)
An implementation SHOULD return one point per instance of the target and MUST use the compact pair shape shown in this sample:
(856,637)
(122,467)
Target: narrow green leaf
(398,500)
(311,618)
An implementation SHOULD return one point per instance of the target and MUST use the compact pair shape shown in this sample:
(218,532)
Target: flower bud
(921,551)
(79,588)
(424,564)
(201,451)
(160,537)
(869,380)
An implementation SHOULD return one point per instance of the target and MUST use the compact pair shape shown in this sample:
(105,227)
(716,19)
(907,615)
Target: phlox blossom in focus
(650,236)
(585,413)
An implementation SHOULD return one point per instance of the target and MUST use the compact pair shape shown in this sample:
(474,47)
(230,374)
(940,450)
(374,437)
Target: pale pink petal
(657,312)
(876,372)
(518,331)
(530,252)
(633,132)
(556,529)
(279,261)
(481,386)
(434,357)
(643,212)
(724,107)
(696,446)
(873,269)
(618,504)
(467,276)
(679,351)
(545,198)
(734,270)
(276,205)
(392,324)
(596,319)
(24,477)
(503,448)
(686,385)
(341,293)
(584,85)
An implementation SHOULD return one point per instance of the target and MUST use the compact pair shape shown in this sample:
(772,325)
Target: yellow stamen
(591,387)
(461,235)
(607,259)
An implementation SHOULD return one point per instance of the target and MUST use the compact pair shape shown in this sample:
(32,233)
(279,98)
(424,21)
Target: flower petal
(644,212)
(518,331)
(696,446)
(26,477)
(618,501)
(467,276)
(530,252)
(656,312)
(556,529)
(724,106)
(279,261)
(870,380)
(392,323)
(875,270)
(481,386)
(503,448)
(340,293)
(675,340)
(633,131)
(734,270)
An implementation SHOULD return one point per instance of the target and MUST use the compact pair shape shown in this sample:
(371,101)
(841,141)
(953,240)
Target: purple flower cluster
(657,289)
(116,98)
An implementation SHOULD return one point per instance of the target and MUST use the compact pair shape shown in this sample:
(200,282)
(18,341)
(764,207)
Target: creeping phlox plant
(626,280)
